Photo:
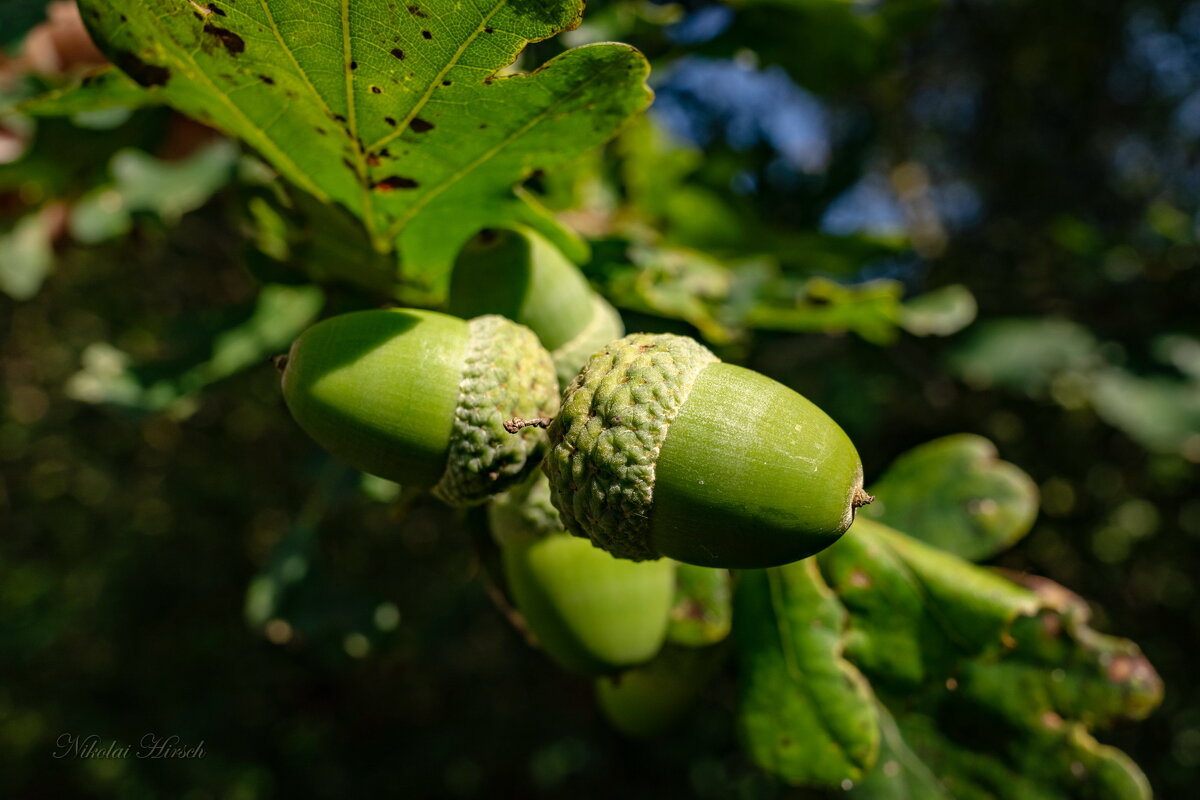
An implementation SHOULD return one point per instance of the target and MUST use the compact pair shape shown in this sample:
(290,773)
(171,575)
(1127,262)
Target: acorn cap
(524,512)
(660,449)
(506,373)
(420,398)
(607,436)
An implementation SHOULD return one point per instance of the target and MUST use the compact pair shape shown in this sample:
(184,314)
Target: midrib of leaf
(426,199)
(785,637)
(943,623)
(299,176)
(904,754)
(368,209)
(433,84)
(352,122)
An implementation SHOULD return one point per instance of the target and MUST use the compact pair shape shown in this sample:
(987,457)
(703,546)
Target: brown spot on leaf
(419,125)
(267,79)
(375,90)
(353,65)
(395,182)
(390,121)
(232,42)
(427,34)
(214,9)
(417,12)
(372,160)
(398,53)
(489,30)
(1120,669)
(688,609)
(445,83)
(859,579)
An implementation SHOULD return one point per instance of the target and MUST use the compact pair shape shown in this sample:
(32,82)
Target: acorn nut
(660,449)
(421,398)
(592,614)
(519,274)
(648,701)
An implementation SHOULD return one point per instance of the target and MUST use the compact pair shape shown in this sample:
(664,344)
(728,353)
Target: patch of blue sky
(868,207)
(702,25)
(700,99)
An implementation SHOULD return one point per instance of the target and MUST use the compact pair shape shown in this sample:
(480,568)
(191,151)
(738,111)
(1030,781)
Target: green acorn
(421,398)
(592,613)
(523,276)
(648,701)
(662,450)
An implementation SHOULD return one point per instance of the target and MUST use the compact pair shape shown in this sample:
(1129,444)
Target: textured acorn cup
(592,614)
(662,450)
(521,275)
(421,398)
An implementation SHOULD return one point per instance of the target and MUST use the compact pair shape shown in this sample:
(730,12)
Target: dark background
(1044,155)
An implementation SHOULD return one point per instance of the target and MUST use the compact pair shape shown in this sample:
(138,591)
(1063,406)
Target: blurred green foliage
(178,559)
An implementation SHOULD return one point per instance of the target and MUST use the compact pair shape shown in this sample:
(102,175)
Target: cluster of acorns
(654,453)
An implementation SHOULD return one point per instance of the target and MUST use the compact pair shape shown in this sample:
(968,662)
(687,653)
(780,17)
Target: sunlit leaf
(995,687)
(915,610)
(1024,354)
(806,714)
(871,310)
(941,312)
(1066,363)
(395,111)
(1160,413)
(142,183)
(26,256)
(278,315)
(955,494)
(104,89)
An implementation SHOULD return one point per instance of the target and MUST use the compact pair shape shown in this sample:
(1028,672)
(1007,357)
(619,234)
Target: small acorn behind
(592,614)
(521,275)
(421,398)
